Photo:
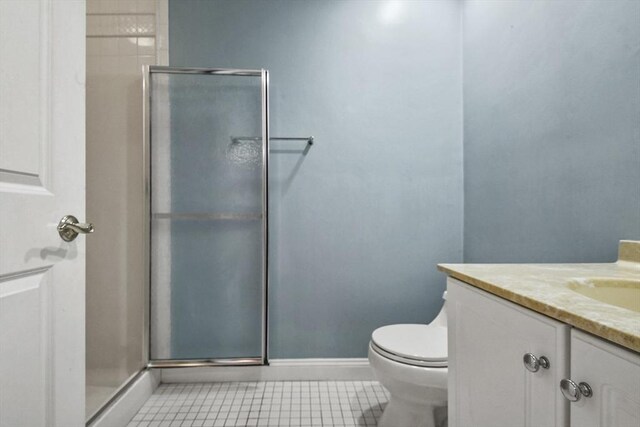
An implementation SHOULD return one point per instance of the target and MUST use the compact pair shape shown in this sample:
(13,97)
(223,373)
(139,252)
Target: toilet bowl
(410,361)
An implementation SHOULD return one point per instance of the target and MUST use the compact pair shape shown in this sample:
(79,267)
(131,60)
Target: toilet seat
(412,344)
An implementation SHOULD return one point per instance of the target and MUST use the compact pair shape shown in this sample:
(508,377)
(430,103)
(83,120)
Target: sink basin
(623,293)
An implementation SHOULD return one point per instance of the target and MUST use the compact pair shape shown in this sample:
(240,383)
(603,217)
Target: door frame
(148,71)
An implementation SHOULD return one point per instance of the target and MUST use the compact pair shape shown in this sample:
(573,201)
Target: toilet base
(418,395)
(401,414)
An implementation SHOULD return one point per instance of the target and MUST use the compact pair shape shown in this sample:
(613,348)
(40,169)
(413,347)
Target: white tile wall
(117,25)
(274,403)
(118,18)
(162,32)
(121,38)
(121,6)
(121,46)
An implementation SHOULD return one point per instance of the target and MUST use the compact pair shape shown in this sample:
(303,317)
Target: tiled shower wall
(130,19)
(122,36)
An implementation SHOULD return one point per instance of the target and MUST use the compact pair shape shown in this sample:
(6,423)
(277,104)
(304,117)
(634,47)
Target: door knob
(533,363)
(69,228)
(573,391)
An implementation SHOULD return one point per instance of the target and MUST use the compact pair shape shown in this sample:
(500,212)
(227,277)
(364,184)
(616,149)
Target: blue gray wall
(359,221)
(551,129)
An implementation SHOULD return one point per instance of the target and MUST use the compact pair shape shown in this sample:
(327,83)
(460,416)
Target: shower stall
(207,157)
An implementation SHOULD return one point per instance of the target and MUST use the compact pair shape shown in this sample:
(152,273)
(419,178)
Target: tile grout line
(271,403)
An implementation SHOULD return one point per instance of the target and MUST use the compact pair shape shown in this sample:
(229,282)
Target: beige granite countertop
(543,288)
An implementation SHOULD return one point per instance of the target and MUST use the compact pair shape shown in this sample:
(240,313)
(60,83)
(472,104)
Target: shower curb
(351,369)
(119,411)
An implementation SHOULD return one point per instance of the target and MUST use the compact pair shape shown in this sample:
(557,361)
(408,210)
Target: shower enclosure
(207,155)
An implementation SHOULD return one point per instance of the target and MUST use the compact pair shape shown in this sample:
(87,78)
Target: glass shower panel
(207,216)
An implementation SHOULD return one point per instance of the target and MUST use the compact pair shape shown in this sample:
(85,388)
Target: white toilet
(411,362)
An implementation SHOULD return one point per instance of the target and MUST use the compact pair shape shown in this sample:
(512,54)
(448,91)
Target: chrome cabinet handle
(573,391)
(533,363)
(69,228)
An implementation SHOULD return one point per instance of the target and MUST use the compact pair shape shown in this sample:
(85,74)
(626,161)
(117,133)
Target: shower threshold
(196,363)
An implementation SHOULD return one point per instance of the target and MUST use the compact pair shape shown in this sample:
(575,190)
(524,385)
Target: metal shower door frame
(148,71)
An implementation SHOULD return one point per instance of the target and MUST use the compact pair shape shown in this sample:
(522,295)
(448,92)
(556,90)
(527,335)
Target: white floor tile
(272,403)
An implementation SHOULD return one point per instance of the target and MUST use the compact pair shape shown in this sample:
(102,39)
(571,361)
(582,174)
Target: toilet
(410,361)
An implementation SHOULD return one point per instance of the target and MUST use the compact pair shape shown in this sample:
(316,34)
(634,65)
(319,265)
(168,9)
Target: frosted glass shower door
(208,216)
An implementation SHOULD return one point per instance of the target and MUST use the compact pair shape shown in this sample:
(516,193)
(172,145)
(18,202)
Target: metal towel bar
(309,139)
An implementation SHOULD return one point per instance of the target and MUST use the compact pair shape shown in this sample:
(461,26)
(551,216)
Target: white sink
(623,293)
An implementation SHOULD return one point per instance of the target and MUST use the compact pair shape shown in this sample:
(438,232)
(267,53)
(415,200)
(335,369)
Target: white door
(42,161)
(489,385)
(613,374)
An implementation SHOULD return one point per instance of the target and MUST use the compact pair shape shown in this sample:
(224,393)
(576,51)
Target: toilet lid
(422,343)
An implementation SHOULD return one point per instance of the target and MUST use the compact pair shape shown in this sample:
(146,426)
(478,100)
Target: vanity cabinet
(489,384)
(492,383)
(612,374)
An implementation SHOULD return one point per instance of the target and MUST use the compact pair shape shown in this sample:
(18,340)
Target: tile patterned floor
(272,403)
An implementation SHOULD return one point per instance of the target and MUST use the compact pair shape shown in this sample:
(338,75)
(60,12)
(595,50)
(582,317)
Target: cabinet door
(614,377)
(488,382)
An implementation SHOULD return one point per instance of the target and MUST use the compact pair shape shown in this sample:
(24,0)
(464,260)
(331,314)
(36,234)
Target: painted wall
(358,221)
(551,129)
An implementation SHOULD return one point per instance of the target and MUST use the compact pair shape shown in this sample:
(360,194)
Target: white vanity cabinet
(613,376)
(489,384)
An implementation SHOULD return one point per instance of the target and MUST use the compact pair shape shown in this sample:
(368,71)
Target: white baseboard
(278,370)
(119,412)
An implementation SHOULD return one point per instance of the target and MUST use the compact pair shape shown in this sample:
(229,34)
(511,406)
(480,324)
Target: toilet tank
(441,318)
